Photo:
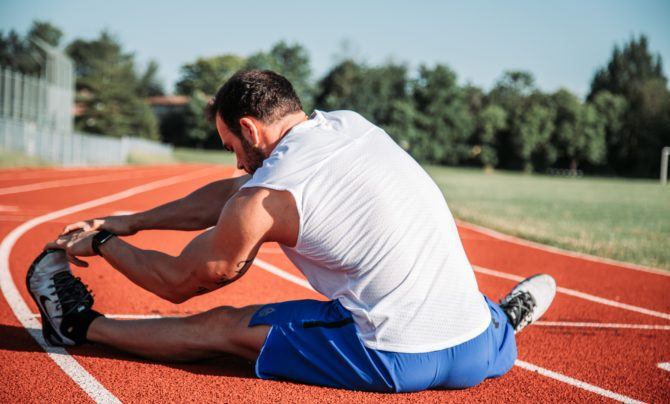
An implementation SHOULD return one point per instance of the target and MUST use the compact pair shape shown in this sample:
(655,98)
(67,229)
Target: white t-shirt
(375,234)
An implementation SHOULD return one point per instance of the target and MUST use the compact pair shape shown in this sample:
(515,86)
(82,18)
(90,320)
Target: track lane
(19,308)
(9,181)
(64,183)
(600,279)
(240,296)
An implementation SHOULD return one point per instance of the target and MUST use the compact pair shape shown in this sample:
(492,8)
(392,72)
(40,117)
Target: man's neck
(283,126)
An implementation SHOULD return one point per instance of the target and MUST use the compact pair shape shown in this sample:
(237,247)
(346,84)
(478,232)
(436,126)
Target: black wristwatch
(101,238)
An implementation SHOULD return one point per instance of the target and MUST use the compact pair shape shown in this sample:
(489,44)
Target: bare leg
(204,335)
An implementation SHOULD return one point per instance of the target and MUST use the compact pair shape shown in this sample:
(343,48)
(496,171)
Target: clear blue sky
(560,42)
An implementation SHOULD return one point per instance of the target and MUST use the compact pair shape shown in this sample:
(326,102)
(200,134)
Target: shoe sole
(48,330)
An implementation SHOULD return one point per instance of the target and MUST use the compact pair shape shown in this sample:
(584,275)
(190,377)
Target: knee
(220,327)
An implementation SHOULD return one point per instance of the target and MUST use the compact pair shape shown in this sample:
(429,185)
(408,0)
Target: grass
(10,159)
(141,158)
(627,220)
(204,156)
(183,155)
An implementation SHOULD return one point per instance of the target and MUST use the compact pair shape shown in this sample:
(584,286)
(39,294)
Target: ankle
(77,326)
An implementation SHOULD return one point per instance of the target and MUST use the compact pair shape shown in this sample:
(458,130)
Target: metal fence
(36,119)
(73,148)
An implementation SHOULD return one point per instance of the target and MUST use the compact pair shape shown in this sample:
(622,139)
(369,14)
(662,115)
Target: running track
(607,336)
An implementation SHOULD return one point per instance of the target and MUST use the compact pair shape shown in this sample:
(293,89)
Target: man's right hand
(121,225)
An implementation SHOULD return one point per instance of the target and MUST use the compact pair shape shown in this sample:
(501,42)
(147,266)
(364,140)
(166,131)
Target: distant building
(165,104)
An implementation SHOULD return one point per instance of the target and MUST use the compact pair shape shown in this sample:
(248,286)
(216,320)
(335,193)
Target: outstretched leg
(205,335)
(68,318)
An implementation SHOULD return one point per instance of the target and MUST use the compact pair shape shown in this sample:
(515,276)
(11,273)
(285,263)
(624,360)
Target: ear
(250,131)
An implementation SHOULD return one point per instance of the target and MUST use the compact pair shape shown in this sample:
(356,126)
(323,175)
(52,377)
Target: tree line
(618,129)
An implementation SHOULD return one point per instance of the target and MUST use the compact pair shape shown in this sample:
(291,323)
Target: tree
(512,87)
(443,118)
(634,73)
(532,130)
(511,93)
(46,32)
(489,121)
(291,61)
(628,66)
(611,108)
(579,130)
(381,94)
(208,74)
(22,54)
(188,128)
(339,89)
(108,87)
(149,84)
(13,53)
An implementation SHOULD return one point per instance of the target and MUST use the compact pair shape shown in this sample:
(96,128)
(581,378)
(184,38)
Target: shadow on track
(16,338)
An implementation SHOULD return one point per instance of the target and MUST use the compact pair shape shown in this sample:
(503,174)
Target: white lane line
(71,181)
(603,325)
(574,382)
(42,173)
(60,356)
(124,316)
(557,250)
(578,294)
(664,366)
(282,274)
(122,213)
(134,316)
(8,208)
(525,365)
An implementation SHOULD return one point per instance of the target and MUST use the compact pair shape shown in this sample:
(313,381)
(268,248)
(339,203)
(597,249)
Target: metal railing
(36,119)
(73,149)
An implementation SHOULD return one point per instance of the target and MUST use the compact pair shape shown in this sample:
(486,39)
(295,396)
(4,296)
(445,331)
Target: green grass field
(628,220)
(182,155)
(10,159)
(204,156)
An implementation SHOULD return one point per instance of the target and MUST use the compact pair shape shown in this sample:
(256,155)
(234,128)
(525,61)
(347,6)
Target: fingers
(76,261)
(79,226)
(84,225)
(58,244)
(63,244)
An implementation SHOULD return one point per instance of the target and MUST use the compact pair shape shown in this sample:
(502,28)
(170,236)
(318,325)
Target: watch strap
(101,238)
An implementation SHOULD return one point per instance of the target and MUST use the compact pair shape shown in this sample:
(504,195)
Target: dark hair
(262,94)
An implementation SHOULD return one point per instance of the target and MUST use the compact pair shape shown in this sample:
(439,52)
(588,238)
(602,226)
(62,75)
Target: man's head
(249,110)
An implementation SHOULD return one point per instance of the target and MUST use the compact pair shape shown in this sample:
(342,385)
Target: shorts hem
(257,371)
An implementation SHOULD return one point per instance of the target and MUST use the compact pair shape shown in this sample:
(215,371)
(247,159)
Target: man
(356,214)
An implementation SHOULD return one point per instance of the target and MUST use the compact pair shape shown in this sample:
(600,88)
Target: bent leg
(205,335)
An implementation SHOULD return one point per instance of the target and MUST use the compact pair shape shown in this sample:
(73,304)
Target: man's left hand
(77,244)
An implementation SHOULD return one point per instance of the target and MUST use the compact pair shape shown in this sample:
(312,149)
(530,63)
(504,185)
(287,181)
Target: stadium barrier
(72,148)
(36,119)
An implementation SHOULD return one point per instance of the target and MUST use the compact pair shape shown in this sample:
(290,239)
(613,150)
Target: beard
(255,156)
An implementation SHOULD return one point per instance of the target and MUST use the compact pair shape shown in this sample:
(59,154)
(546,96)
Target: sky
(561,42)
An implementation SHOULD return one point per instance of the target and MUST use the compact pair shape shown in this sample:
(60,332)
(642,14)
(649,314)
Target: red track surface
(617,360)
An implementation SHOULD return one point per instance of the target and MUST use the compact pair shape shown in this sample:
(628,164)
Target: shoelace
(71,292)
(519,308)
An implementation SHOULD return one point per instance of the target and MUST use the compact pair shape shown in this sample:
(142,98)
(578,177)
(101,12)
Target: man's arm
(196,211)
(213,259)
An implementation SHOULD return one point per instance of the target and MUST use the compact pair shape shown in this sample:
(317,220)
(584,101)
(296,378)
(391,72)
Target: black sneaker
(529,300)
(64,302)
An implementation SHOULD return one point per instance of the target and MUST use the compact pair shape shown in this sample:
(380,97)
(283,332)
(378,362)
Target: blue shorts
(316,342)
